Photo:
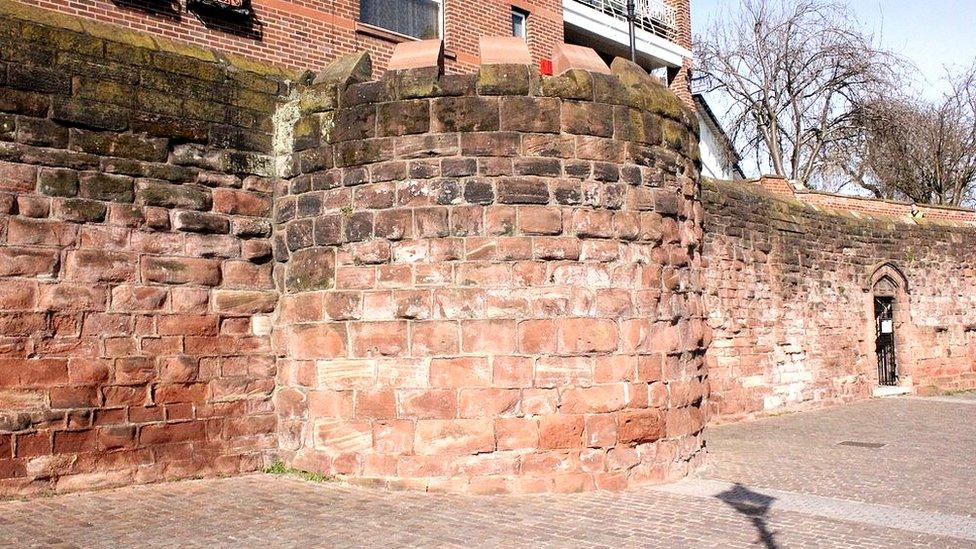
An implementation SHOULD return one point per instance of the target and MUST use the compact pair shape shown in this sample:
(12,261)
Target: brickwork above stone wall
(135,274)
(788,295)
(490,282)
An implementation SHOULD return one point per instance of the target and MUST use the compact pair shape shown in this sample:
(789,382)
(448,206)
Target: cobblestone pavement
(751,500)
(926,463)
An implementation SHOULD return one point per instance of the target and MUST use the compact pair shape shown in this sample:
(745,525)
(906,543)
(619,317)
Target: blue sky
(929,33)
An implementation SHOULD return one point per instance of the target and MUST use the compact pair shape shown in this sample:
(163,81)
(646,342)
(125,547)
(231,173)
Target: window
(416,18)
(519,20)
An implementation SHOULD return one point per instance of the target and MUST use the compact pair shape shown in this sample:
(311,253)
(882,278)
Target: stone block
(561,431)
(640,426)
(165,195)
(310,269)
(417,55)
(566,57)
(181,270)
(453,437)
(200,222)
(103,186)
(506,79)
(503,50)
(529,114)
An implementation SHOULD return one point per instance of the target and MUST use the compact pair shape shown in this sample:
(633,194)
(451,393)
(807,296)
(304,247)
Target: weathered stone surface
(349,69)
(103,186)
(165,195)
(57,182)
(311,269)
(200,222)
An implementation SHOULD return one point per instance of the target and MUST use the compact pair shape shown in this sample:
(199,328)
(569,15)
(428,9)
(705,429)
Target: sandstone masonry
(489,281)
(135,259)
(791,279)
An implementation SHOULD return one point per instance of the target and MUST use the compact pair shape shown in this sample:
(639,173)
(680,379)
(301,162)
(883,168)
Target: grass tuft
(279,468)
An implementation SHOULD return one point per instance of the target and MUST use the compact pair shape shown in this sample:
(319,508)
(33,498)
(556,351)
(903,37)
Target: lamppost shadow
(753,505)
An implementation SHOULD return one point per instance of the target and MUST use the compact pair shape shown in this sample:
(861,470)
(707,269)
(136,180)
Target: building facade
(308,35)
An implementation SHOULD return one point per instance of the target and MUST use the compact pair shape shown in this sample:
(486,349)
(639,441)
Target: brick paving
(772,509)
(926,463)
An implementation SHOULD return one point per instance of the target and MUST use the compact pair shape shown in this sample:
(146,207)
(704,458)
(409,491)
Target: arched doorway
(889,291)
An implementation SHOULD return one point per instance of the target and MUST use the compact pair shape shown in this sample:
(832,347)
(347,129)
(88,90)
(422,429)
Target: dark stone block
(231,137)
(57,182)
(79,210)
(530,114)
(328,230)
(522,190)
(20,102)
(538,166)
(403,117)
(158,125)
(309,205)
(479,191)
(351,123)
(38,79)
(165,195)
(458,167)
(354,153)
(359,226)
(465,114)
(41,132)
(299,234)
(200,222)
(102,186)
(89,114)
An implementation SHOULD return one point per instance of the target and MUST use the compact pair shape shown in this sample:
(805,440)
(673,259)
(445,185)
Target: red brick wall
(134,262)
(790,302)
(307,35)
(493,288)
(681,84)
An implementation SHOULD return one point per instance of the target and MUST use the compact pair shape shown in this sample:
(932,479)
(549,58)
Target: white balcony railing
(653,16)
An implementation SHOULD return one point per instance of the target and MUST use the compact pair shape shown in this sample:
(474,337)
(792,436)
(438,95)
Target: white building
(719,158)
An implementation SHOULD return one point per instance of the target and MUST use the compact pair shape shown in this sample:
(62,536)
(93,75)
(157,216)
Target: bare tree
(921,150)
(794,74)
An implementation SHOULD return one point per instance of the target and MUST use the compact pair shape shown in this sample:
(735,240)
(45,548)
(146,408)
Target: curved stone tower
(491,282)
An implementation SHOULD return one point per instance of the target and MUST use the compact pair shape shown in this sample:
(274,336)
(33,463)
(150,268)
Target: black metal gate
(884,315)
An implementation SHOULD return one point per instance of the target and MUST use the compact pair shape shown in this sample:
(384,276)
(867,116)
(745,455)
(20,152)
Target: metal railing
(653,16)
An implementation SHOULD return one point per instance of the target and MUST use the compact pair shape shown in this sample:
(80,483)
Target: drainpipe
(630,24)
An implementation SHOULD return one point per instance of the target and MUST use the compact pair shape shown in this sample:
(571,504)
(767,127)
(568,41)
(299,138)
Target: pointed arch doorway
(889,290)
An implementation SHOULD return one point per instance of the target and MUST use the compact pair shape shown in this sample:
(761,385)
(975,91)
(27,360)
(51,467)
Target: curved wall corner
(492,282)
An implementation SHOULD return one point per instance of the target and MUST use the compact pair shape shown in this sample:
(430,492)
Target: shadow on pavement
(753,505)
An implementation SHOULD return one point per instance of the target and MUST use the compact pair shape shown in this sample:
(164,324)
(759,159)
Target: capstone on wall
(490,282)
(790,286)
(135,273)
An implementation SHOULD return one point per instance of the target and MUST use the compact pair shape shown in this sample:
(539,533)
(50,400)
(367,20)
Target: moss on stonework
(77,34)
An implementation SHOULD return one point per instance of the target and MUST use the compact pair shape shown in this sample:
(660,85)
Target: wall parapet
(905,211)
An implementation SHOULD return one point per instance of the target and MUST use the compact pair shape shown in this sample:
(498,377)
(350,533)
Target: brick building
(307,35)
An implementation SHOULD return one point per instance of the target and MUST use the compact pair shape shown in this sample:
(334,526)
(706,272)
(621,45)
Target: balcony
(602,25)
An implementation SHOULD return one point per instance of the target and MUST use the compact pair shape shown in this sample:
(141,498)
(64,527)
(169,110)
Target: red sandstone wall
(134,270)
(308,35)
(788,299)
(491,283)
